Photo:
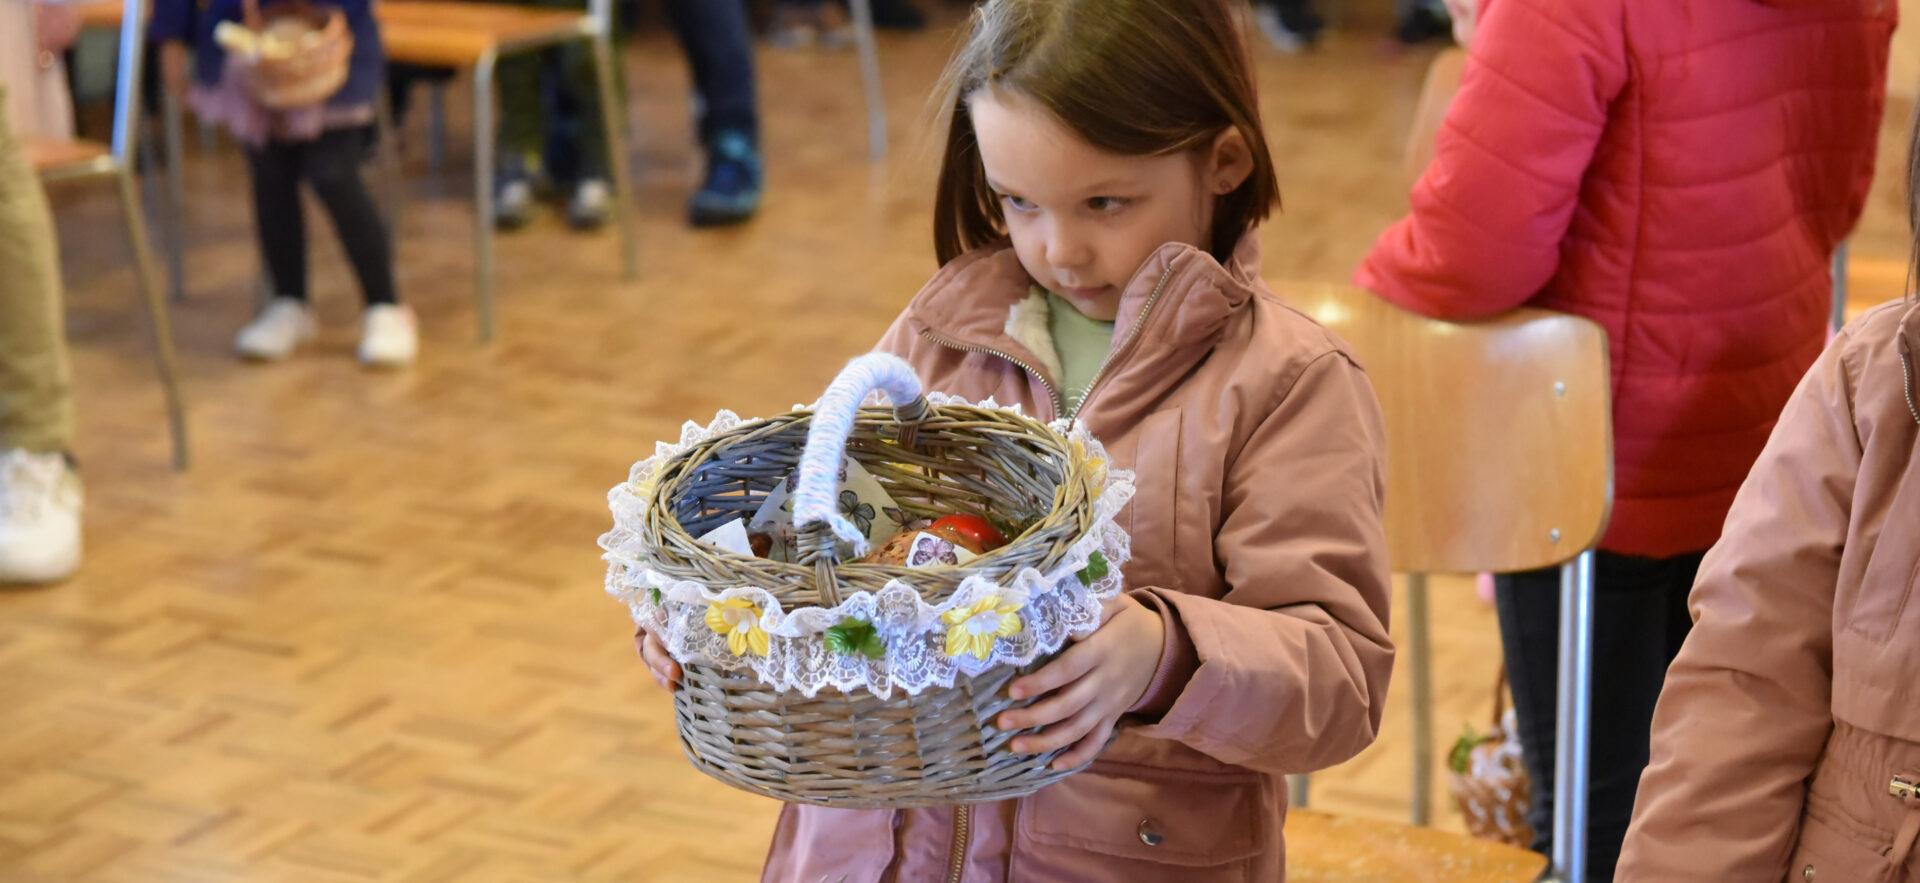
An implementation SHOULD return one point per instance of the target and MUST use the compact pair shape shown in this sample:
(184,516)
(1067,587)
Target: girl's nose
(1066,248)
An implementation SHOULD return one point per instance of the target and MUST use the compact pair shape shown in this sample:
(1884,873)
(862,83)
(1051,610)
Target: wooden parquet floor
(364,639)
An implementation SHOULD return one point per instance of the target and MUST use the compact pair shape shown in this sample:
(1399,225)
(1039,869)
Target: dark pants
(330,165)
(1639,621)
(719,47)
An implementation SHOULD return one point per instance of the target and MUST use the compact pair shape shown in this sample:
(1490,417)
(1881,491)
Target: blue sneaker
(731,193)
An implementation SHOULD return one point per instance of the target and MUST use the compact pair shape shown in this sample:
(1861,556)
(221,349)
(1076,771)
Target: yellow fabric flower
(1096,469)
(739,620)
(974,629)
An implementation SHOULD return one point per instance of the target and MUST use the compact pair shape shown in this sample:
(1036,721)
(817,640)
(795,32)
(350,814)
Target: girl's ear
(1229,162)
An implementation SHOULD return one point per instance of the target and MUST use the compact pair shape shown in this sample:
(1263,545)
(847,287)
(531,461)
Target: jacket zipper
(1138,324)
(962,832)
(1906,381)
(1059,404)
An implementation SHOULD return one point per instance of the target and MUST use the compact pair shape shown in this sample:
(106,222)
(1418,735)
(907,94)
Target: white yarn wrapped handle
(814,500)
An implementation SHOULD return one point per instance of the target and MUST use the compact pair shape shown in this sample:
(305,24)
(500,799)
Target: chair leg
(157,323)
(173,218)
(870,79)
(1297,790)
(614,121)
(436,127)
(1575,709)
(1420,668)
(1839,271)
(483,193)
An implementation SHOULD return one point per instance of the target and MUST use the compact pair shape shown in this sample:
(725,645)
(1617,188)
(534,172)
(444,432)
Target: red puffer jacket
(1680,172)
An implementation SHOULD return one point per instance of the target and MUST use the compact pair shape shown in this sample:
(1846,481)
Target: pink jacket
(1257,534)
(1787,742)
(1678,171)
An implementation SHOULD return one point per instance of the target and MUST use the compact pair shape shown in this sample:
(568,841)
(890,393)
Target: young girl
(323,146)
(1104,172)
(1680,173)
(1787,742)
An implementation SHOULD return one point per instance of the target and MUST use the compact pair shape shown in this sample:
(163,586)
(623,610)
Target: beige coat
(38,102)
(1787,742)
(1257,533)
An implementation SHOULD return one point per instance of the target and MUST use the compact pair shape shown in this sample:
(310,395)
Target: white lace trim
(1053,607)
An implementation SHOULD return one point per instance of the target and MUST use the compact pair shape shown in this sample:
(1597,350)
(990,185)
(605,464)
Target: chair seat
(1324,848)
(100,13)
(457,34)
(47,154)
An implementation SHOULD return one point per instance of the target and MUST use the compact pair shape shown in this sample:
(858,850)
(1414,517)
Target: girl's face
(1082,219)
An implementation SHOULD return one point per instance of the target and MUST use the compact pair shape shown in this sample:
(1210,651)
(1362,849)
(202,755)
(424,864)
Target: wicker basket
(1493,791)
(851,747)
(314,68)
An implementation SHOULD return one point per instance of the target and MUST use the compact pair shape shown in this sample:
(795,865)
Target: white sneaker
(592,203)
(272,335)
(389,338)
(40,500)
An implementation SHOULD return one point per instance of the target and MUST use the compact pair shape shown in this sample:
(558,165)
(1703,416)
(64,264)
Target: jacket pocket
(1152,516)
(814,843)
(1875,606)
(1825,855)
(1135,823)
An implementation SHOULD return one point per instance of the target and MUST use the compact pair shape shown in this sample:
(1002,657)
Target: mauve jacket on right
(1679,171)
(1786,745)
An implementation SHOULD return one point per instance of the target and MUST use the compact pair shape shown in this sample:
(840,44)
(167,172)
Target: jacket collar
(981,299)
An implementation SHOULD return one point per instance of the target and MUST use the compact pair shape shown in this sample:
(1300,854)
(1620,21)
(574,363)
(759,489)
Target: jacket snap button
(1806,873)
(1150,833)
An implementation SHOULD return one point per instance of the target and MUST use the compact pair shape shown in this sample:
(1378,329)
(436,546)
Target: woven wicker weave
(854,749)
(314,70)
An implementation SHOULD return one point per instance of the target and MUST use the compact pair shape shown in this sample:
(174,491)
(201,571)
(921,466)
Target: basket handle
(1500,695)
(814,511)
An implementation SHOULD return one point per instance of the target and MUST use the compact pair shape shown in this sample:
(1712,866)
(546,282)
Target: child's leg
(331,166)
(36,381)
(277,217)
(521,134)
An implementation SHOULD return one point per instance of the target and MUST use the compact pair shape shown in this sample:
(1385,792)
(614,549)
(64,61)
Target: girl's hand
(1091,685)
(665,671)
(173,68)
(56,25)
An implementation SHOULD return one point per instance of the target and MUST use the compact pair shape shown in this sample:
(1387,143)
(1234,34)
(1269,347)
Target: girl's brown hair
(1913,200)
(1134,77)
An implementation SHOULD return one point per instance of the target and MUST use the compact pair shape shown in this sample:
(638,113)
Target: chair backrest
(1443,80)
(1499,433)
(126,87)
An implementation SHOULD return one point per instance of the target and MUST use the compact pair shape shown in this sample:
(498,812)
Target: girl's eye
(1107,204)
(1019,205)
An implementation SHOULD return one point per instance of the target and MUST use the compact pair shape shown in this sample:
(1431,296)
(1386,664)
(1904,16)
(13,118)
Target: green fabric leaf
(1096,569)
(653,594)
(852,636)
(1462,753)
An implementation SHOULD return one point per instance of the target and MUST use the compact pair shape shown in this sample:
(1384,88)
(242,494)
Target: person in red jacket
(1680,173)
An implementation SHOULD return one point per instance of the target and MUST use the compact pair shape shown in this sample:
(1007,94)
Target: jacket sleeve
(1489,213)
(171,20)
(1293,660)
(1737,732)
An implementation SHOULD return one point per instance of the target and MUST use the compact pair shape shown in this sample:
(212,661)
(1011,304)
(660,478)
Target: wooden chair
(445,33)
(1324,848)
(1500,458)
(71,160)
(105,15)
(1436,95)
